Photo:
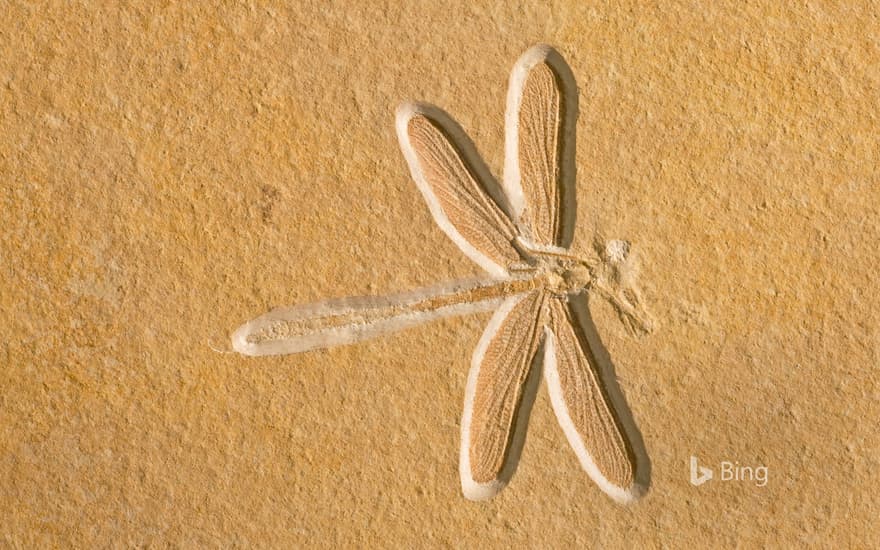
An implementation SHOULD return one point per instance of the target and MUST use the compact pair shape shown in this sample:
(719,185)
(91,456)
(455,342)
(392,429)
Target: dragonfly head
(612,258)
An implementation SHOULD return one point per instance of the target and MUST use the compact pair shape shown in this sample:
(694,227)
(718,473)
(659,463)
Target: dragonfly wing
(539,168)
(464,199)
(583,408)
(501,388)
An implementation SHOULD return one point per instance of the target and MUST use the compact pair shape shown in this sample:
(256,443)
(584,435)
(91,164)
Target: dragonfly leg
(632,314)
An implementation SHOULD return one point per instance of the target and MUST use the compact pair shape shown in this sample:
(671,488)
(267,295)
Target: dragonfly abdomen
(348,320)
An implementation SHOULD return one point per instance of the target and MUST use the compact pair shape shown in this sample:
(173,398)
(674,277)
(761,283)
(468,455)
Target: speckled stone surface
(167,173)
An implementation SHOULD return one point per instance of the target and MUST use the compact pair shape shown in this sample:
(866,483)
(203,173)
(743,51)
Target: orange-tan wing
(586,414)
(501,388)
(464,199)
(539,170)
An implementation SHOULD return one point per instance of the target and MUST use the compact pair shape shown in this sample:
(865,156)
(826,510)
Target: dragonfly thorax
(563,273)
(566,279)
(577,277)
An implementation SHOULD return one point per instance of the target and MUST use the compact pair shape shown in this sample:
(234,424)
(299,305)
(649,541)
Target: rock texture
(167,173)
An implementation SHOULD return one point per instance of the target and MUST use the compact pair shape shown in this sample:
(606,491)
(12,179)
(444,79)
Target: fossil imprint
(519,233)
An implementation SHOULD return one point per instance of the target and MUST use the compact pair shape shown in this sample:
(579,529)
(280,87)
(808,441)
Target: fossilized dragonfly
(519,232)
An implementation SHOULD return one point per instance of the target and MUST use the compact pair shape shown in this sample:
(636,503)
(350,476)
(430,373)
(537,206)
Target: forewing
(539,161)
(464,199)
(500,391)
(586,414)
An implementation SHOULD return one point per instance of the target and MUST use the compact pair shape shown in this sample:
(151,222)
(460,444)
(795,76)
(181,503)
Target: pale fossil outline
(519,233)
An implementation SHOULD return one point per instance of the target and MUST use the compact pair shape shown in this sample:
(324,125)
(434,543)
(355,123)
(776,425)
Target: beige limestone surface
(169,172)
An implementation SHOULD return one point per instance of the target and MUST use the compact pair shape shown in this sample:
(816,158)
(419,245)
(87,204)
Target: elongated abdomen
(347,320)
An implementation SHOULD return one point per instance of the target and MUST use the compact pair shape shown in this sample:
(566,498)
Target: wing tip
(408,110)
(403,116)
(480,492)
(624,495)
(537,54)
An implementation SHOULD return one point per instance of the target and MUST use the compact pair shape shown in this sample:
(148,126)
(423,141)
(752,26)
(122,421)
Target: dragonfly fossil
(520,233)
